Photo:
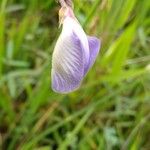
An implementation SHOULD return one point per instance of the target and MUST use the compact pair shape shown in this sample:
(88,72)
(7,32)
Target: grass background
(111,110)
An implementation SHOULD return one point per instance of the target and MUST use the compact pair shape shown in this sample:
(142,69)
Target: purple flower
(74,54)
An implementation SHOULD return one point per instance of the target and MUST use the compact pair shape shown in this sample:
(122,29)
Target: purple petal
(68,69)
(94,47)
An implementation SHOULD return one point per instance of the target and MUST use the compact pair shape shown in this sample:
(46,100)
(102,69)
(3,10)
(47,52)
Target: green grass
(110,111)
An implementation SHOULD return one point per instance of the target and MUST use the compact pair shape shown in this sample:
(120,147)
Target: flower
(74,54)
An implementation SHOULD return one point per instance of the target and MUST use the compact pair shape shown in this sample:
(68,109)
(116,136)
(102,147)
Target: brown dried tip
(66,3)
(69,3)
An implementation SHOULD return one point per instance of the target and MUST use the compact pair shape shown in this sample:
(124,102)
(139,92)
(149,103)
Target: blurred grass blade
(125,75)
(12,87)
(2,33)
(91,12)
(7,107)
(126,40)
(124,14)
(23,27)
(73,134)
(117,53)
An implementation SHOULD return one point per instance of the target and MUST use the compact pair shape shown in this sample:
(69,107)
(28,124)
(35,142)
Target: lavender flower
(74,53)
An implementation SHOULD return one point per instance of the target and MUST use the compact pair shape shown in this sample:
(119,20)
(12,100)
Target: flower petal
(94,47)
(68,64)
